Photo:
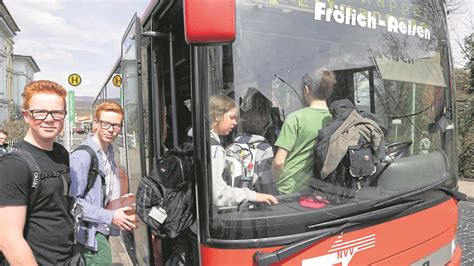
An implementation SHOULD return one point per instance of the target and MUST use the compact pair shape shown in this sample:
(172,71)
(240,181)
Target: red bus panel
(209,21)
(401,241)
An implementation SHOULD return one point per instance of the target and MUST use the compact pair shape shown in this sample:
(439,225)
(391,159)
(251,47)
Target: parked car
(78,130)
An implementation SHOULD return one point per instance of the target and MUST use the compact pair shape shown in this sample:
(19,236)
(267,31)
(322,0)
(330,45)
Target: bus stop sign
(117,80)
(74,79)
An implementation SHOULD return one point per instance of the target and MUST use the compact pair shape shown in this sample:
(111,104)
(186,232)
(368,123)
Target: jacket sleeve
(223,194)
(79,169)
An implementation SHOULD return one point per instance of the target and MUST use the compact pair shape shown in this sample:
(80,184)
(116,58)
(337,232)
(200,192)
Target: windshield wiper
(267,258)
(434,186)
(368,216)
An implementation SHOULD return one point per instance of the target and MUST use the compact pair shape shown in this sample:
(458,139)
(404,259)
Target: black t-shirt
(50,231)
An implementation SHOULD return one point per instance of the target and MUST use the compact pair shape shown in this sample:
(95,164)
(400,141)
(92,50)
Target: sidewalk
(466,186)
(119,253)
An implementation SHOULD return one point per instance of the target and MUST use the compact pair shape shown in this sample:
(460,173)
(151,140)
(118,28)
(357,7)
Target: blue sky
(73,36)
(83,36)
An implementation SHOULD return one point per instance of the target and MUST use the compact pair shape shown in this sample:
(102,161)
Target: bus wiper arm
(368,216)
(436,185)
(263,259)
(268,258)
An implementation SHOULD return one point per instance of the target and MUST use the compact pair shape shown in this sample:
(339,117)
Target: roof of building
(7,17)
(29,59)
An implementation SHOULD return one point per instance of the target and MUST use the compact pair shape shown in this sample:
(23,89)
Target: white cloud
(66,36)
(55,55)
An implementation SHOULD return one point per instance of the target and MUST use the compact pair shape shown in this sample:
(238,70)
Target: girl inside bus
(223,117)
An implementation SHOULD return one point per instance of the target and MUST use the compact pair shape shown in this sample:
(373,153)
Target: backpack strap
(37,177)
(94,170)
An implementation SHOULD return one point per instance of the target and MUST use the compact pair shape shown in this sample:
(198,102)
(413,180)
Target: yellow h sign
(74,79)
(117,80)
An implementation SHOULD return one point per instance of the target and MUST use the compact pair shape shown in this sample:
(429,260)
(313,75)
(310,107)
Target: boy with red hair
(39,232)
(97,222)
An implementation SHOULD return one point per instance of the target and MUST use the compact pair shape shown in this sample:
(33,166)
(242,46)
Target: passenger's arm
(12,243)
(278,164)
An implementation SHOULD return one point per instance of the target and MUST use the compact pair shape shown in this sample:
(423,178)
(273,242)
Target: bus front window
(388,61)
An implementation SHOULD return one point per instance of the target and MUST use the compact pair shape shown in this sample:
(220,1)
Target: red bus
(391,58)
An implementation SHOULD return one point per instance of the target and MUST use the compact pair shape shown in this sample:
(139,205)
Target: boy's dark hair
(4,132)
(255,122)
(320,83)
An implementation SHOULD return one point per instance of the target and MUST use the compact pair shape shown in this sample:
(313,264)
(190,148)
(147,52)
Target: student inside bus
(293,163)
(255,124)
(255,100)
(223,117)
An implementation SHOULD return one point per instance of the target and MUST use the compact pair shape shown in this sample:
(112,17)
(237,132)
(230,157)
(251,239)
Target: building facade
(24,67)
(8,29)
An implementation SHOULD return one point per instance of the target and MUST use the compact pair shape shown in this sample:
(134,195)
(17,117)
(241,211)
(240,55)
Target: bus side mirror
(209,21)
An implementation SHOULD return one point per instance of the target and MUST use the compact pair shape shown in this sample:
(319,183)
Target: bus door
(136,243)
(166,89)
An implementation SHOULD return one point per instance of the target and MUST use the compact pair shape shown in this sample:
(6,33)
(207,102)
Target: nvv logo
(342,252)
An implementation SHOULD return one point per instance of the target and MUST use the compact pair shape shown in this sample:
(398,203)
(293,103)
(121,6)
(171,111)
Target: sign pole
(71,115)
(73,80)
(66,141)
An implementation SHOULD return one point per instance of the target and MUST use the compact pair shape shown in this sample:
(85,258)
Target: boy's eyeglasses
(106,125)
(43,114)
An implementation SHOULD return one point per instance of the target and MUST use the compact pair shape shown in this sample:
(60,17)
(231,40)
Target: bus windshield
(389,58)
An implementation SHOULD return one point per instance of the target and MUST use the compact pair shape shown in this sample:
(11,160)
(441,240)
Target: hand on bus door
(267,198)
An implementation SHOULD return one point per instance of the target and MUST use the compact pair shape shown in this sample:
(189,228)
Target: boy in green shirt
(293,163)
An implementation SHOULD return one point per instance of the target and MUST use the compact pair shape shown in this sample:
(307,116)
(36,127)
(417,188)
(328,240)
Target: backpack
(357,168)
(94,170)
(37,176)
(165,198)
(239,169)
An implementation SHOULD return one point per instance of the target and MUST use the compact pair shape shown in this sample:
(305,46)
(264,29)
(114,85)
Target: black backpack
(94,170)
(165,198)
(37,178)
(357,168)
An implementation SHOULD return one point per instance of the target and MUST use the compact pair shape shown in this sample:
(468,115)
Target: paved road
(466,232)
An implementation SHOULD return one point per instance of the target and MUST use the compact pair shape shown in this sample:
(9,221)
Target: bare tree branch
(455,6)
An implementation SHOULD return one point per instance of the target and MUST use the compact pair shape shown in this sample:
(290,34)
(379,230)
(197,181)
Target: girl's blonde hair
(218,106)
